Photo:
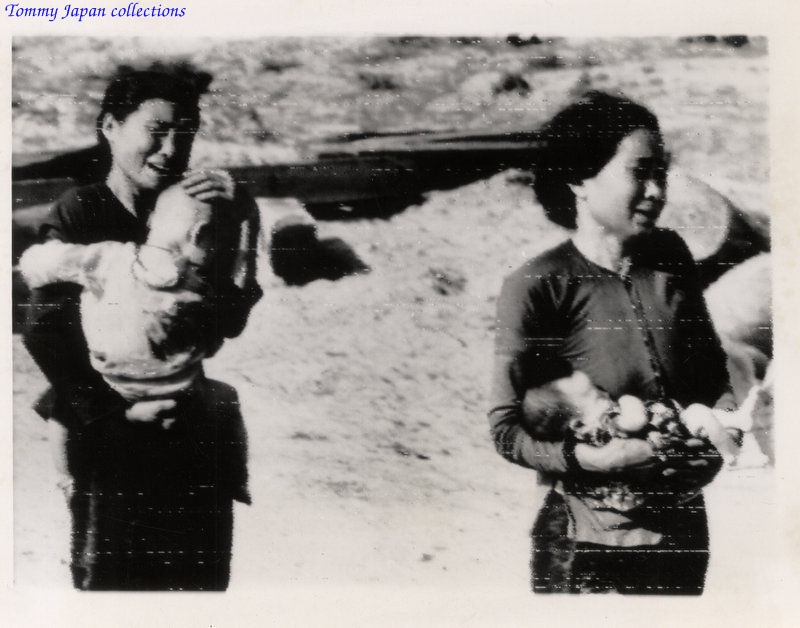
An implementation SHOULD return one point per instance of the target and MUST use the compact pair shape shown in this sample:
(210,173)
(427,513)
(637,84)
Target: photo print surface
(338,377)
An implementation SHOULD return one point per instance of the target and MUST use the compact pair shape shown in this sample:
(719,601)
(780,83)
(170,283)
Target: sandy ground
(365,398)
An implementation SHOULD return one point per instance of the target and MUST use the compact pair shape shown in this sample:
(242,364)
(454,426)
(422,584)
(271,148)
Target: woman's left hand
(209,185)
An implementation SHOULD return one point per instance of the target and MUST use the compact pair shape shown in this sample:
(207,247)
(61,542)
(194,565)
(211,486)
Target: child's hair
(547,413)
(580,140)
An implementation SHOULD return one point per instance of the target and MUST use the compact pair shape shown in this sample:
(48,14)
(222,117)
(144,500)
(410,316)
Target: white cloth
(145,342)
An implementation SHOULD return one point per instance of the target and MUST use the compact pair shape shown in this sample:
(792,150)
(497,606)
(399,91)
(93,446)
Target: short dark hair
(579,141)
(129,88)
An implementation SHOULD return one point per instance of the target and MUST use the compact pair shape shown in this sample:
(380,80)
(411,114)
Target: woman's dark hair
(129,88)
(580,140)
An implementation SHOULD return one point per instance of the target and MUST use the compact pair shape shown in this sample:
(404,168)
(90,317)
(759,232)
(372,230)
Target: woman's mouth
(645,218)
(161,170)
(648,212)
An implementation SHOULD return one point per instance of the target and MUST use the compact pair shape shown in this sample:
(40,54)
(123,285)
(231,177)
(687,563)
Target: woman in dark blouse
(153,481)
(619,301)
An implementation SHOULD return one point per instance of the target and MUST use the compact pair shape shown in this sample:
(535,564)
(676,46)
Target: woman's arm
(242,292)
(524,346)
(54,337)
(236,289)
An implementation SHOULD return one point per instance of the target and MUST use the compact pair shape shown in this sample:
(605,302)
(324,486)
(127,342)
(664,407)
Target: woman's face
(151,146)
(626,197)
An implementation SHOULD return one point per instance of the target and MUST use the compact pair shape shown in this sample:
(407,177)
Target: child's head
(568,404)
(185,231)
(182,225)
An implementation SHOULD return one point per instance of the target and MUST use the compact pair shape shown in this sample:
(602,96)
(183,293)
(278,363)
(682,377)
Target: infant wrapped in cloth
(571,407)
(147,310)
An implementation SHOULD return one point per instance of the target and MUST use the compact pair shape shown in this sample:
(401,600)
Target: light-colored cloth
(145,342)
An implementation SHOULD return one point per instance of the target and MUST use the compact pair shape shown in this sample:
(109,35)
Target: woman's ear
(108,125)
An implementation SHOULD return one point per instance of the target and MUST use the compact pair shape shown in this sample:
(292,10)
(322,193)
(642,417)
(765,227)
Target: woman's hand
(156,411)
(209,185)
(615,456)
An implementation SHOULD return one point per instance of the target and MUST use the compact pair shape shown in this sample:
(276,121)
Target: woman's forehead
(641,144)
(161,110)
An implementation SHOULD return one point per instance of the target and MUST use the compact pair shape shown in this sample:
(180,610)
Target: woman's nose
(655,189)
(168,143)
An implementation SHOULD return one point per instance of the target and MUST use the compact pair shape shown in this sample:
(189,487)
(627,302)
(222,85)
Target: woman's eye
(644,173)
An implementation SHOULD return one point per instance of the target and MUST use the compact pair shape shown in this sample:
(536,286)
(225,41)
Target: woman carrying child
(619,301)
(152,481)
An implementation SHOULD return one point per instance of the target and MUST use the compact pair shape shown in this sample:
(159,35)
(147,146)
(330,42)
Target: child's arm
(59,262)
(722,428)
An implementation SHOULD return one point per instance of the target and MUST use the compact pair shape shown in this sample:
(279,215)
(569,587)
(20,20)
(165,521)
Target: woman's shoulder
(86,214)
(561,260)
(83,195)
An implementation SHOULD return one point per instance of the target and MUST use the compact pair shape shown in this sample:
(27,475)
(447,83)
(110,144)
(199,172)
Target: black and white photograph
(488,314)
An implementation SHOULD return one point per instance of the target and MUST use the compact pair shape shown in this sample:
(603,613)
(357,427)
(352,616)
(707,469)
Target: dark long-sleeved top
(646,334)
(53,334)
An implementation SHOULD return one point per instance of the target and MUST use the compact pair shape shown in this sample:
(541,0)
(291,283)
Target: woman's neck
(596,245)
(137,202)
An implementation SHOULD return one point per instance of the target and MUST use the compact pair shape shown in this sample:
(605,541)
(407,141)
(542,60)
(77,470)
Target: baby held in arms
(147,311)
(572,407)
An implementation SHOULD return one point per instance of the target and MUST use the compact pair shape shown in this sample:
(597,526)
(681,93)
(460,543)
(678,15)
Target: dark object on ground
(83,166)
(299,257)
(518,42)
(356,172)
(447,281)
(467,40)
(736,41)
(512,82)
(377,82)
(545,62)
(363,176)
(277,66)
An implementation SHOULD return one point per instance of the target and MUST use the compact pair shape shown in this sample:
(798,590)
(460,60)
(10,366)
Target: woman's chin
(642,227)
(155,180)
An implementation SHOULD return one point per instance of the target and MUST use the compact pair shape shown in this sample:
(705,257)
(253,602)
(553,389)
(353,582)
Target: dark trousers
(676,566)
(152,509)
